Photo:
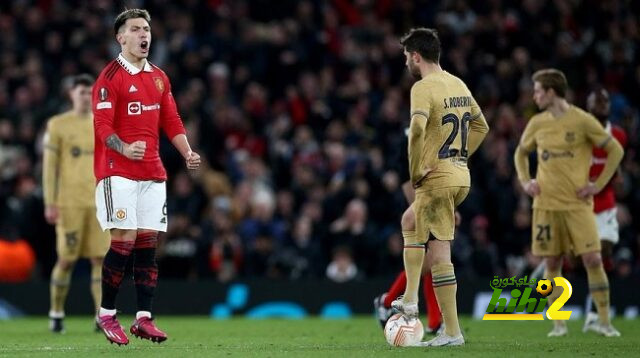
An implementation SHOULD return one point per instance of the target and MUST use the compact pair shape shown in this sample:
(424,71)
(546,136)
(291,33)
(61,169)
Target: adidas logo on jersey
(133,89)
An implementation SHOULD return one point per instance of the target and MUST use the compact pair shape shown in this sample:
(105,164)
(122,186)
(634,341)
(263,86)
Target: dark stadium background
(299,108)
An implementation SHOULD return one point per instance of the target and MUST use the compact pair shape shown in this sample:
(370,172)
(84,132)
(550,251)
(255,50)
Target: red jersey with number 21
(606,198)
(134,104)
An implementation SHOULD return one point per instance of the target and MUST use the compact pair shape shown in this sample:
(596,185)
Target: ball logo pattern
(401,331)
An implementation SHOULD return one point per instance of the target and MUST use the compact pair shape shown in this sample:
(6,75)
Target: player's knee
(66,264)
(591,259)
(146,231)
(96,261)
(439,260)
(440,252)
(410,238)
(408,221)
(124,234)
(553,263)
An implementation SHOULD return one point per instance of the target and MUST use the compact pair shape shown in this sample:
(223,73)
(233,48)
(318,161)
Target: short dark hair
(423,41)
(130,14)
(84,79)
(552,78)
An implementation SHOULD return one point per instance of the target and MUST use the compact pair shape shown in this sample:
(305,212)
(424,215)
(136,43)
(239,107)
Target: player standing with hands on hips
(132,101)
(563,137)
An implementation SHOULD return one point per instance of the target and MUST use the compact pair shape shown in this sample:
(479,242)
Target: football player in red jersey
(604,203)
(132,101)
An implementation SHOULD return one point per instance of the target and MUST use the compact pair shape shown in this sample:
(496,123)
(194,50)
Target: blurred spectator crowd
(300,107)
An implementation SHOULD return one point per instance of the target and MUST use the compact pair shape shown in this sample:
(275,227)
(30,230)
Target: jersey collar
(133,70)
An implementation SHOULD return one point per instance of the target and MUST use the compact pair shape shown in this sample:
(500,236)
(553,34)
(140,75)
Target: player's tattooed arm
(114,142)
(134,151)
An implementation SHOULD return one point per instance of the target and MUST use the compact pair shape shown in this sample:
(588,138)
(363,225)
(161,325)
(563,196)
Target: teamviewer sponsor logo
(152,107)
(134,108)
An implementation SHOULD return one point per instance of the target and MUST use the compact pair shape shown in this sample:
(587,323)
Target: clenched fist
(135,150)
(531,187)
(193,160)
(51,214)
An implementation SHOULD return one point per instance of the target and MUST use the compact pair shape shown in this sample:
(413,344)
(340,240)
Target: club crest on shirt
(159,84)
(545,155)
(103,94)
(570,137)
(121,214)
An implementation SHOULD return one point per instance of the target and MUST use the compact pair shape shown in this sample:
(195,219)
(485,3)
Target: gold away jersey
(564,146)
(68,179)
(443,112)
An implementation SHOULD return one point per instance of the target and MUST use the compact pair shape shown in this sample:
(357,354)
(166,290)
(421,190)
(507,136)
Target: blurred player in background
(132,102)
(69,191)
(382,303)
(563,219)
(447,126)
(604,202)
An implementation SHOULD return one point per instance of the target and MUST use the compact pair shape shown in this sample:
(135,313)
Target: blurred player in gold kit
(563,220)
(446,127)
(69,191)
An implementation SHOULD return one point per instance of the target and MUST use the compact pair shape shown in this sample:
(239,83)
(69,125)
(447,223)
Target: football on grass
(401,331)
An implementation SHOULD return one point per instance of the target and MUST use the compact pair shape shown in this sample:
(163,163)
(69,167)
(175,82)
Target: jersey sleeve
(420,107)
(105,98)
(170,121)
(52,146)
(420,101)
(594,132)
(476,112)
(528,139)
(614,156)
(478,128)
(527,145)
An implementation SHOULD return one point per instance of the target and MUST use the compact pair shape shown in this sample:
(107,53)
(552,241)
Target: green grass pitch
(357,337)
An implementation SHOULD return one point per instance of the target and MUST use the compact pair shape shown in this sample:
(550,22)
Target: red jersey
(606,198)
(134,104)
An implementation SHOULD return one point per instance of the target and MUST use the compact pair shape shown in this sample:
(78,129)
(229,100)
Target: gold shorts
(79,234)
(435,212)
(557,232)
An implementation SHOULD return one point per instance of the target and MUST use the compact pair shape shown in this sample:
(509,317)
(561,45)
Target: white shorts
(607,222)
(131,204)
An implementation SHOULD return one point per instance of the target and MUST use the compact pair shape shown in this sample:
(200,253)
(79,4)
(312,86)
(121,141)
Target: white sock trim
(141,314)
(54,314)
(106,312)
